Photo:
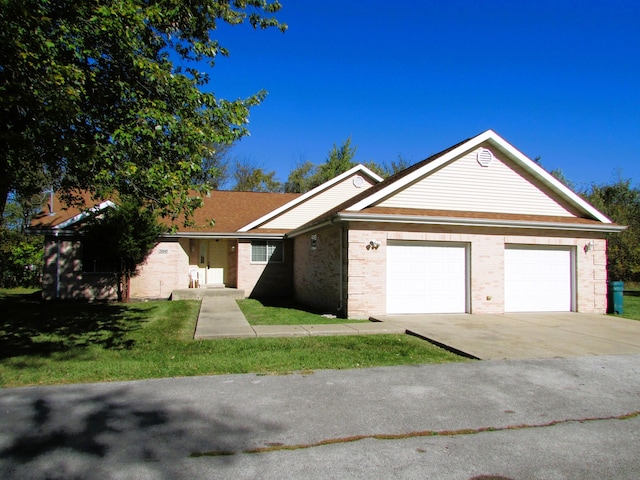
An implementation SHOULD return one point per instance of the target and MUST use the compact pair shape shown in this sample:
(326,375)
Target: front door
(202,263)
(217,262)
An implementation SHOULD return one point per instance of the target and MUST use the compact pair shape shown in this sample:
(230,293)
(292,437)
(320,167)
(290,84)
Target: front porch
(200,293)
(213,263)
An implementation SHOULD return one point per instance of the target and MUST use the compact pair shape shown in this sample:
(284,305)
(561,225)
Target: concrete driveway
(525,335)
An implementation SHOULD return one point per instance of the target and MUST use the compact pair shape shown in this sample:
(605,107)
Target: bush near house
(20,259)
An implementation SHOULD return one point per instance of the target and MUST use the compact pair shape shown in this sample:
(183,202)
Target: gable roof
(56,215)
(366,206)
(358,169)
(433,163)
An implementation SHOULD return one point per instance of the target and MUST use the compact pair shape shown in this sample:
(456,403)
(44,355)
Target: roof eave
(223,235)
(312,193)
(476,222)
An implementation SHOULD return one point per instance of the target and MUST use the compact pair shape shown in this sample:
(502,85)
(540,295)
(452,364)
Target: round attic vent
(358,181)
(485,157)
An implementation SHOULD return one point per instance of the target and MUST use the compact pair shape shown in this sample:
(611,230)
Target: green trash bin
(614,298)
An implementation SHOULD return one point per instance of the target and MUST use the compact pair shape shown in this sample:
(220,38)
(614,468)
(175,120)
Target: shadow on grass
(632,293)
(30,326)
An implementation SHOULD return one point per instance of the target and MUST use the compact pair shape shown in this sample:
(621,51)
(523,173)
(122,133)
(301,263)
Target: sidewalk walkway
(220,317)
(486,337)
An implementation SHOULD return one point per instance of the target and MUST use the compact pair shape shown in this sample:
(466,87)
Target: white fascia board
(513,152)
(81,216)
(549,179)
(311,193)
(477,222)
(413,176)
(232,235)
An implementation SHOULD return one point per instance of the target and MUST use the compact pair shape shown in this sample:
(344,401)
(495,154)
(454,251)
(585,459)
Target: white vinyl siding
(263,251)
(323,202)
(464,185)
(426,278)
(538,279)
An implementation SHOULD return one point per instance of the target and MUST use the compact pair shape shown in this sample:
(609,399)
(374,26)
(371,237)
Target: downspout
(341,272)
(57,265)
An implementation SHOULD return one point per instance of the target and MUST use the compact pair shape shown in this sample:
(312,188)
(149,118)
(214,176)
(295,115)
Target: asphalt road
(576,418)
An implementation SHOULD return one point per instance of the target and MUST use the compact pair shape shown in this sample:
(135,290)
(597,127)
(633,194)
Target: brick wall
(366,275)
(264,280)
(316,273)
(63,278)
(165,269)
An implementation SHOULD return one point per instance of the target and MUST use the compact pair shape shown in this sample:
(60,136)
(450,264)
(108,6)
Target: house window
(94,260)
(267,251)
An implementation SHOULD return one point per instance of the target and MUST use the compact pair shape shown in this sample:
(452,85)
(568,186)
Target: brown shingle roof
(233,210)
(229,211)
(50,217)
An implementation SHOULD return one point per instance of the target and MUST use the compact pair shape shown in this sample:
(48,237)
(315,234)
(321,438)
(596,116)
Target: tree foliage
(122,237)
(248,178)
(20,259)
(620,201)
(20,254)
(307,176)
(300,178)
(104,96)
(388,169)
(215,170)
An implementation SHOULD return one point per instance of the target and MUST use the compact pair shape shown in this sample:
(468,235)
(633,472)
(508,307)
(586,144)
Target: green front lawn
(51,343)
(631,305)
(283,313)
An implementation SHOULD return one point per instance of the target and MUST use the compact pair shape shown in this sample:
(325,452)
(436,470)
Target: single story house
(476,228)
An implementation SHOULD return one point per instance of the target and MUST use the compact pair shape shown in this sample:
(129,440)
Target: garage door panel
(426,278)
(538,280)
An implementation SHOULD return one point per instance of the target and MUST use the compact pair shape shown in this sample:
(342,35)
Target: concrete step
(200,293)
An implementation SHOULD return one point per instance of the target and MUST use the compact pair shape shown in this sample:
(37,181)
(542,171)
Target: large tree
(107,95)
(620,201)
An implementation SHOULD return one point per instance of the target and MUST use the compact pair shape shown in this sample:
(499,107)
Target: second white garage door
(426,278)
(538,279)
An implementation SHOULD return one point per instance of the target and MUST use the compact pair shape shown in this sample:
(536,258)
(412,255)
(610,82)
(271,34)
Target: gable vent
(485,157)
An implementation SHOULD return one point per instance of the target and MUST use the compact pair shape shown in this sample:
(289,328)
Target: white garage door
(538,280)
(426,278)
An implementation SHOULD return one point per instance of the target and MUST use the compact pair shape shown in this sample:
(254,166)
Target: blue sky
(557,79)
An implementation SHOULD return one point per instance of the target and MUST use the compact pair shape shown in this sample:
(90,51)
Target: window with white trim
(267,251)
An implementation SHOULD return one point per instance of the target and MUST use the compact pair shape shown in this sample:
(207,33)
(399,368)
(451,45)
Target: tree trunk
(5,186)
